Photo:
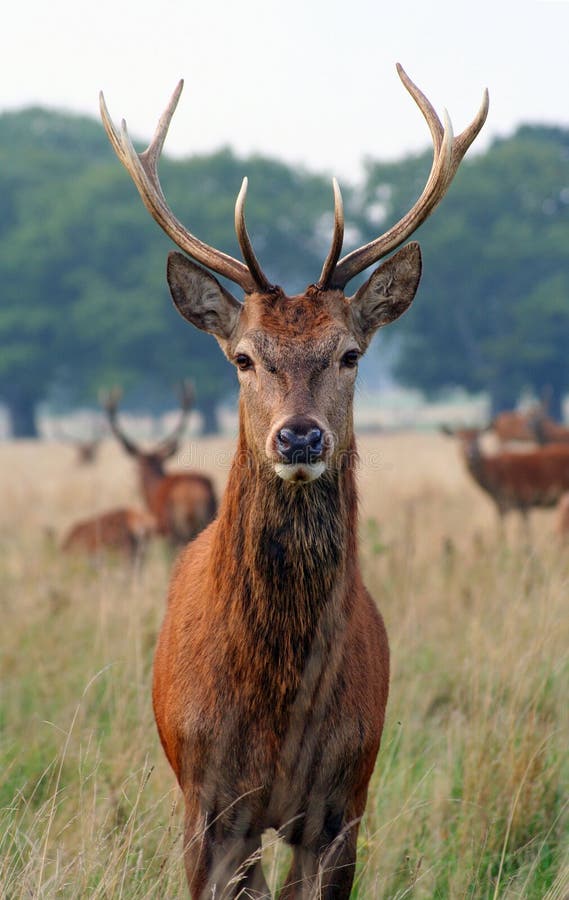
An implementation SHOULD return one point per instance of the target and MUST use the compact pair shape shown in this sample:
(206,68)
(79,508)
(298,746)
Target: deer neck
(151,478)
(284,555)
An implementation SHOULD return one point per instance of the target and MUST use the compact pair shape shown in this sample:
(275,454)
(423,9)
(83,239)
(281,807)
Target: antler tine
(425,106)
(245,241)
(337,237)
(169,444)
(110,401)
(143,169)
(466,137)
(448,152)
(187,395)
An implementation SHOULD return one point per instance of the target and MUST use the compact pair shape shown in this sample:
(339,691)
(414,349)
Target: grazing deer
(533,426)
(512,426)
(86,449)
(516,480)
(271,672)
(122,531)
(183,503)
(547,431)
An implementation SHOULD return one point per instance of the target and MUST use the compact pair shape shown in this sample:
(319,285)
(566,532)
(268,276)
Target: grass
(470,798)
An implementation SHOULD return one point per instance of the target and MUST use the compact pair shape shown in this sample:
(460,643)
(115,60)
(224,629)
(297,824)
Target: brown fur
(122,531)
(518,481)
(512,425)
(533,426)
(272,667)
(183,503)
(550,432)
(271,672)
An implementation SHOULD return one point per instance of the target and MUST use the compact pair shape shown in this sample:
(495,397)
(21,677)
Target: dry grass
(469,799)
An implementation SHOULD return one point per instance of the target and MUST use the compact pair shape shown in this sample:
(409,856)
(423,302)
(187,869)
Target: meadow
(470,797)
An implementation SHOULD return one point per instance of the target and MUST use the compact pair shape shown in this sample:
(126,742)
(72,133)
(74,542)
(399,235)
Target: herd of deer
(530,469)
(178,504)
(271,672)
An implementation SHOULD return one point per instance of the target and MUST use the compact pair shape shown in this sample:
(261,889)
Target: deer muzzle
(299,448)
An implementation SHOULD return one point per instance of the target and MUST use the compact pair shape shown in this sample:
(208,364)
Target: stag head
(296,356)
(155,457)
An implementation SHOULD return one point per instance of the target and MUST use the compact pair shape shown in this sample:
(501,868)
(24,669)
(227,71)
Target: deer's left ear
(387,293)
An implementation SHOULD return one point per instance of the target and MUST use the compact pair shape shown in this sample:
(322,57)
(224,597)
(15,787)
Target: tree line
(85,304)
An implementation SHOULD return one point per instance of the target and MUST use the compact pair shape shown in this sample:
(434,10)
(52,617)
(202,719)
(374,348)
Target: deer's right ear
(388,292)
(200,298)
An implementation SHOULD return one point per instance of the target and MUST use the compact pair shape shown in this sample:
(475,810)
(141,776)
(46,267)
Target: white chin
(300,472)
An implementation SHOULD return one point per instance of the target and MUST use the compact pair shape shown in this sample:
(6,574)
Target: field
(471,791)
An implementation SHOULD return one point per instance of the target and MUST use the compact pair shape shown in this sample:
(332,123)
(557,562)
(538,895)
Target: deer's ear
(200,298)
(388,292)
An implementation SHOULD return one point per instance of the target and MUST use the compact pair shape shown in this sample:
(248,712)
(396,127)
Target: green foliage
(493,307)
(85,302)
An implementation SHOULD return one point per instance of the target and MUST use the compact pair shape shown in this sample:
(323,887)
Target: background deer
(533,425)
(547,431)
(86,449)
(517,480)
(513,426)
(182,503)
(124,531)
(272,667)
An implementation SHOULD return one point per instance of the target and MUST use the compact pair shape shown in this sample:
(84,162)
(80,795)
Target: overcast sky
(309,81)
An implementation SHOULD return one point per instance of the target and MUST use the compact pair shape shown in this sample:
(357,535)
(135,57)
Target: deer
(521,480)
(86,449)
(271,671)
(548,431)
(124,531)
(533,425)
(512,426)
(183,503)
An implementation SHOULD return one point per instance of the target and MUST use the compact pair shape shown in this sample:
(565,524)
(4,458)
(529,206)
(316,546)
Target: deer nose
(300,443)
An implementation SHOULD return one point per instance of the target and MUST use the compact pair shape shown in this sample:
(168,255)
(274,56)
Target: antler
(110,402)
(170,444)
(337,238)
(143,169)
(448,152)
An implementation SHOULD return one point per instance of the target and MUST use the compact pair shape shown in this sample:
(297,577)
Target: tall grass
(471,790)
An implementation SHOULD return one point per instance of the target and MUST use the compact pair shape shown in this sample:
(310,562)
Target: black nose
(300,443)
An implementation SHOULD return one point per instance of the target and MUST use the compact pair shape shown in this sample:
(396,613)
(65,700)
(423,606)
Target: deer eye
(243,362)
(350,359)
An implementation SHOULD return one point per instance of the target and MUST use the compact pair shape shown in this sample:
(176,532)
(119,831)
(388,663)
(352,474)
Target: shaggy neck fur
(293,557)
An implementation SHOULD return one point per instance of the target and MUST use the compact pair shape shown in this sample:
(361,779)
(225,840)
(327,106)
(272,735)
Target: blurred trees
(84,301)
(492,311)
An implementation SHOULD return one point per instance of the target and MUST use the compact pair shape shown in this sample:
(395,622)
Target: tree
(493,308)
(82,266)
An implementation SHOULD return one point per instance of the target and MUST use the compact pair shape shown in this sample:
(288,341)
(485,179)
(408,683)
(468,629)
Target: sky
(312,82)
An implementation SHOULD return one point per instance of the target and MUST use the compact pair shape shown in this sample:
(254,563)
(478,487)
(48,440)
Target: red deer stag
(86,449)
(533,426)
(183,503)
(271,672)
(517,480)
(548,431)
(122,531)
(512,426)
